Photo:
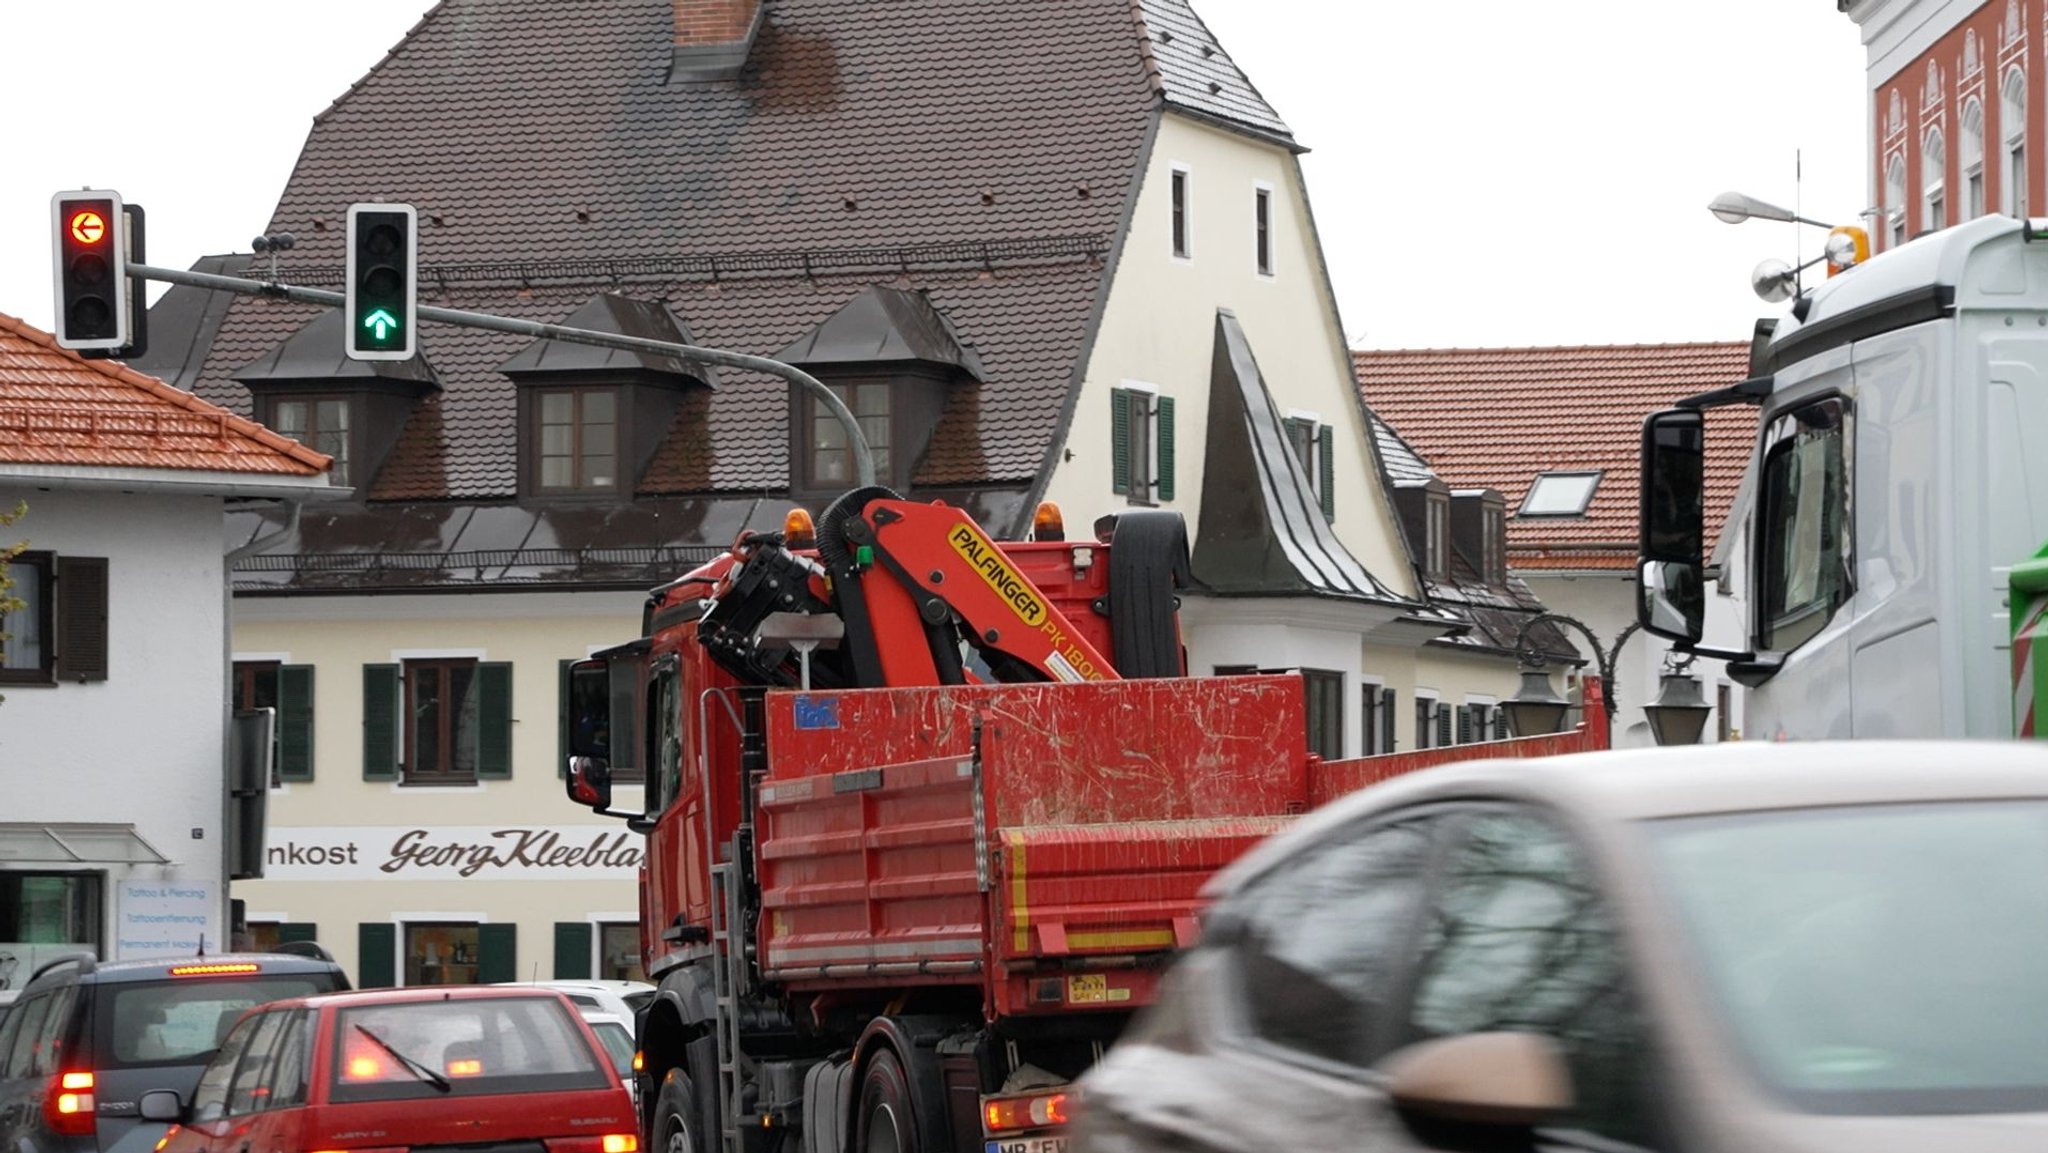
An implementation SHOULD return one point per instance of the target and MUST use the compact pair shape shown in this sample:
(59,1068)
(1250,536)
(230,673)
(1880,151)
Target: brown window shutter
(81,618)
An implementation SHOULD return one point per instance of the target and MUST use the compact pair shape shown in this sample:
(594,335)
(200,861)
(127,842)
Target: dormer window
(578,439)
(1313,442)
(1493,546)
(1436,552)
(321,423)
(1560,494)
(829,462)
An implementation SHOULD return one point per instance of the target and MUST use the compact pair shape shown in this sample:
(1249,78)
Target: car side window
(210,1097)
(248,1090)
(1325,938)
(287,1080)
(10,1028)
(47,1055)
(20,1056)
(1517,938)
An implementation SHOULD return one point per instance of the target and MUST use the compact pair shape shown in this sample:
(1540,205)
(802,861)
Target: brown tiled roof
(980,151)
(57,408)
(1496,417)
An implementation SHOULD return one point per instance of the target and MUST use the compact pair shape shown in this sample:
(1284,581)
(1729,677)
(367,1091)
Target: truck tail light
(1025,1111)
(70,1108)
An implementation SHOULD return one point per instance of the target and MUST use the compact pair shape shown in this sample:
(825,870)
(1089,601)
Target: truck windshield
(1875,959)
(1803,553)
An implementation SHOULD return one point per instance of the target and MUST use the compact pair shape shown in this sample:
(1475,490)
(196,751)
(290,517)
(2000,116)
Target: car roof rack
(86,963)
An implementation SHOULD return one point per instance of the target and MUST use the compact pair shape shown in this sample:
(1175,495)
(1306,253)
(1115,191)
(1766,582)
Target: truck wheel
(675,1117)
(887,1124)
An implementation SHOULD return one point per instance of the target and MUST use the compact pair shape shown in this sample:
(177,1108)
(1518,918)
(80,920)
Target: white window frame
(2012,197)
(1182,176)
(1436,701)
(1895,201)
(1934,180)
(1972,145)
(1264,264)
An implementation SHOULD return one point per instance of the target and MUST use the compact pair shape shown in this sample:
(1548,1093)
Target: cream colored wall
(1159,325)
(338,636)
(1458,678)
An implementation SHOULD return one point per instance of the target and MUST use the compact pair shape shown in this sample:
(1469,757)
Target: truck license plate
(1056,1144)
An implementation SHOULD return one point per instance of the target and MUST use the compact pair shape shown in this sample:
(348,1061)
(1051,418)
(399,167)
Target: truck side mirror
(589,717)
(590,782)
(1671,575)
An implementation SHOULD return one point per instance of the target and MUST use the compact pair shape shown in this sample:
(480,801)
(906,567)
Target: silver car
(1802,948)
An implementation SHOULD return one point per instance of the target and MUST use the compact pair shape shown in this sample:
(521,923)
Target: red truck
(926,817)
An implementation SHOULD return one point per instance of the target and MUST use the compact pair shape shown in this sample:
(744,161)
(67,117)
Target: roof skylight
(1560,494)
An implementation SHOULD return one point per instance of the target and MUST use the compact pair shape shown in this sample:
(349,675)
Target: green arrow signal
(380,322)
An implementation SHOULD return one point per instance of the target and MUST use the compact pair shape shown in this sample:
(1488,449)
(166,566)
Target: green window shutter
(376,955)
(562,717)
(1388,697)
(298,931)
(1326,479)
(572,950)
(1163,422)
(1464,724)
(295,723)
(497,949)
(1443,726)
(1120,440)
(380,722)
(494,721)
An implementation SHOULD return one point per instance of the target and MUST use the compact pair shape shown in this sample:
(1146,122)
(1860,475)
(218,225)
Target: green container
(2029,603)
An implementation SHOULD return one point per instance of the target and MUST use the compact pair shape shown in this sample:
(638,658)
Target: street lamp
(1535,695)
(1679,714)
(1773,279)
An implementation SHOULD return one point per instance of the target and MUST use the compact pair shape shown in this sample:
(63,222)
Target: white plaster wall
(1159,327)
(145,746)
(338,636)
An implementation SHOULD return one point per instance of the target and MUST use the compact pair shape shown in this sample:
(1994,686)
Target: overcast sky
(1494,172)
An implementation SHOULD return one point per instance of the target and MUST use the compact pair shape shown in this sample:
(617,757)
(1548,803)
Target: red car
(392,1069)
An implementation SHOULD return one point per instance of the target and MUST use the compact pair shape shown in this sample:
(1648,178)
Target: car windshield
(184,1019)
(473,1045)
(1875,959)
(618,1043)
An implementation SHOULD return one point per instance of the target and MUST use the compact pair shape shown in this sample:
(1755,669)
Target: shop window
(43,915)
(618,953)
(443,953)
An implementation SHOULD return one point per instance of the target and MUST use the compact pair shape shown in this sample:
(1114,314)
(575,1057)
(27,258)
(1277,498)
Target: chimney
(713,37)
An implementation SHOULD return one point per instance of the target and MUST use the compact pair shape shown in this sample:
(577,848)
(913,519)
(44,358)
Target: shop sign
(450,852)
(166,919)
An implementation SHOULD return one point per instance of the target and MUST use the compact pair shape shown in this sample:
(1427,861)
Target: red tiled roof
(1496,417)
(57,408)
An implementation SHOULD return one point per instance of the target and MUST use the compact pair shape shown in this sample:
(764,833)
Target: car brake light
(70,1107)
(1031,1111)
(215,970)
(465,1067)
(609,1143)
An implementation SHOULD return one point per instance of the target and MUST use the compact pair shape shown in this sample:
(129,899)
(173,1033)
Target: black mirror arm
(1752,391)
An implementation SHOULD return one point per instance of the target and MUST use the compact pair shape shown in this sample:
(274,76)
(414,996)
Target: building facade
(114,727)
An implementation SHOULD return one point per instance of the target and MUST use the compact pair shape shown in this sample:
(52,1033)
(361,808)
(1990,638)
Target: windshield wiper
(411,1066)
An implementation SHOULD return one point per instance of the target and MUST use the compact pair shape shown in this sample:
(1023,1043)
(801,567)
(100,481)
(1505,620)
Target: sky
(1487,173)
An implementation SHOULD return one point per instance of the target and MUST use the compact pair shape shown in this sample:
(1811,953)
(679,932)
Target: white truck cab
(1900,471)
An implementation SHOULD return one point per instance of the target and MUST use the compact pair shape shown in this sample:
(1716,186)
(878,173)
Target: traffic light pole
(863,460)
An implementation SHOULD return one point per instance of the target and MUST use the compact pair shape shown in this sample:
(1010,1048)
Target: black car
(85,1040)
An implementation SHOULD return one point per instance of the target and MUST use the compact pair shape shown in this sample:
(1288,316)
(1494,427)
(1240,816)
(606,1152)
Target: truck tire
(886,1122)
(676,1128)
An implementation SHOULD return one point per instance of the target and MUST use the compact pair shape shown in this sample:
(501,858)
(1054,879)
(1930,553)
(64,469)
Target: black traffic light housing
(89,235)
(382,291)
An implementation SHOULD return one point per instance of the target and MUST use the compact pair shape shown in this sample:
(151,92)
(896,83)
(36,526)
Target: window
(442,953)
(441,721)
(1933,178)
(248,1091)
(665,734)
(1493,546)
(1324,692)
(1313,442)
(1325,939)
(437,721)
(579,439)
(1183,247)
(1805,557)
(484,1047)
(1141,444)
(1437,536)
(618,953)
(321,423)
(210,1097)
(286,1080)
(2012,124)
(289,690)
(1895,201)
(1262,229)
(1475,721)
(182,1020)
(1375,720)
(60,631)
(1560,494)
(1973,159)
(1517,938)
(831,457)
(624,760)
(1425,721)
(47,909)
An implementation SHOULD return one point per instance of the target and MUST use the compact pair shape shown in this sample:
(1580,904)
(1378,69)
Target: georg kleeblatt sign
(451,852)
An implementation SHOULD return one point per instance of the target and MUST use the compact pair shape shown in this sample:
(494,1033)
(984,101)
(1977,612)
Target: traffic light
(382,293)
(89,233)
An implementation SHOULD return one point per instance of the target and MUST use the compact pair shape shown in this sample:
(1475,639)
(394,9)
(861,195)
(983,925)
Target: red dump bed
(1052,868)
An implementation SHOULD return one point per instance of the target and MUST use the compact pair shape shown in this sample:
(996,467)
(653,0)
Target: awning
(75,844)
